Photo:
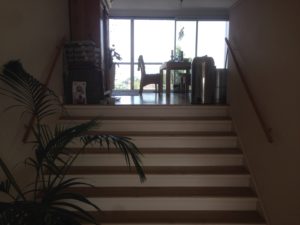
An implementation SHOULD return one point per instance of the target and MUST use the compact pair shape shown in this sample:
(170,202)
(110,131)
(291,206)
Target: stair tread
(149,118)
(164,133)
(165,191)
(78,170)
(162,151)
(167,182)
(155,106)
(178,217)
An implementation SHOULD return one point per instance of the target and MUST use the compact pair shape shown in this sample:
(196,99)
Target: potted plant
(113,57)
(48,199)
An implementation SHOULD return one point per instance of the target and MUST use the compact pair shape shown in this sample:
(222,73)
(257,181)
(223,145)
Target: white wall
(266,37)
(30,31)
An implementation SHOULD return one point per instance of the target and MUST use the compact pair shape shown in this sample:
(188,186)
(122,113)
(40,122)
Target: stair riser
(204,203)
(148,111)
(204,223)
(167,180)
(179,142)
(189,142)
(158,125)
(169,151)
(161,160)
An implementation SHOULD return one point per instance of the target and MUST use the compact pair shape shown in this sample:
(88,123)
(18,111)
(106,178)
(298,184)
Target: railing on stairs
(49,75)
(266,129)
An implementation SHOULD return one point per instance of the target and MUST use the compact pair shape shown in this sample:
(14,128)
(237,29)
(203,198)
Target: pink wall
(266,38)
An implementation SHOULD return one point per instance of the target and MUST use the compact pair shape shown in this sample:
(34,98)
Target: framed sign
(79,92)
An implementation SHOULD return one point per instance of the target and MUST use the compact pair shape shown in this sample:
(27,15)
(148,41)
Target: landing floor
(150,98)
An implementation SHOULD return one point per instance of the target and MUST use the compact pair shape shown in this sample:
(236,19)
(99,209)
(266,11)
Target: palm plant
(48,199)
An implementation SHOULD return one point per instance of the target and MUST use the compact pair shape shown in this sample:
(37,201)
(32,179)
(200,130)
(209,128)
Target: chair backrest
(141,65)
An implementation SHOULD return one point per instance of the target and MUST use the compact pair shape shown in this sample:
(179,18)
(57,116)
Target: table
(168,66)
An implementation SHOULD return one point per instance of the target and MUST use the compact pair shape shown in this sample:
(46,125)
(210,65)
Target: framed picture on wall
(79,92)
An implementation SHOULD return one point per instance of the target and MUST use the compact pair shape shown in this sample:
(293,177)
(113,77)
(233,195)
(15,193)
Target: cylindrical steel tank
(203,80)
(221,88)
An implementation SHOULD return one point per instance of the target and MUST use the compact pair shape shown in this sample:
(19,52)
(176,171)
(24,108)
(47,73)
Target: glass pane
(119,34)
(150,69)
(122,77)
(186,38)
(154,39)
(211,40)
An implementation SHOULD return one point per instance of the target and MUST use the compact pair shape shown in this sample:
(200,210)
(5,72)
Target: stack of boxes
(82,73)
(83,53)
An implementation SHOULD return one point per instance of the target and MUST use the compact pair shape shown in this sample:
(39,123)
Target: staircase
(195,171)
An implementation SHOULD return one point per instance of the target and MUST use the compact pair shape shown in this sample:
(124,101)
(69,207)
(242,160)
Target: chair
(148,78)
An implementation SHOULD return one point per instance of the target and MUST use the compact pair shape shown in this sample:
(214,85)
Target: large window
(186,38)
(155,39)
(211,40)
(120,39)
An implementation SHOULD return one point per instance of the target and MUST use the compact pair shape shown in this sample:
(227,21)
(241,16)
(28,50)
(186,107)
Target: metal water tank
(221,89)
(203,80)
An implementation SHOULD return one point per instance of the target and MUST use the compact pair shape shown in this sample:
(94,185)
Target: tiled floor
(150,98)
(153,99)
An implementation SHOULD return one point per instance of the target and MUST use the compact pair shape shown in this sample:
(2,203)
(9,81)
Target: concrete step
(156,124)
(161,160)
(178,141)
(147,111)
(180,217)
(184,151)
(161,170)
(195,172)
(167,180)
(164,133)
(165,191)
(173,203)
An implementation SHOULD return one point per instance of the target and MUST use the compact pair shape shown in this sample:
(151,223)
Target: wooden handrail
(56,56)
(266,130)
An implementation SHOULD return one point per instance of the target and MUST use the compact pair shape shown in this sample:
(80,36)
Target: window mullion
(132,55)
(175,40)
(196,44)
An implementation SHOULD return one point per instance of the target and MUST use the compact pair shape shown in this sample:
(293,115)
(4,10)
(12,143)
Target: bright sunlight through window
(154,39)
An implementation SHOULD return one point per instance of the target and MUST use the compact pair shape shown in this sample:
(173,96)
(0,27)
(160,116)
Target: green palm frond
(50,146)
(51,196)
(11,179)
(123,144)
(31,95)
(5,187)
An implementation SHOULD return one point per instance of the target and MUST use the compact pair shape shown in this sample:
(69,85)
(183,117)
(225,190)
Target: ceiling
(172,8)
(171,4)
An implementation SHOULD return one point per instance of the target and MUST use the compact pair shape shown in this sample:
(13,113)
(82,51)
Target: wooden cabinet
(89,22)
